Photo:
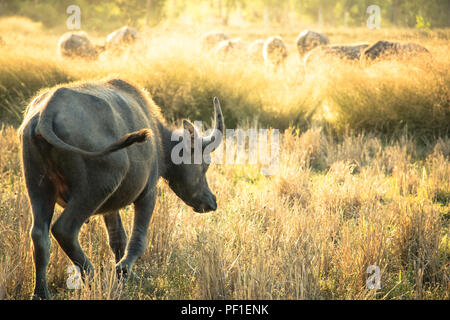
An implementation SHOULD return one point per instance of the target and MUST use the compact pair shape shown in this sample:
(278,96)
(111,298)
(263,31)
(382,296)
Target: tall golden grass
(370,195)
(300,234)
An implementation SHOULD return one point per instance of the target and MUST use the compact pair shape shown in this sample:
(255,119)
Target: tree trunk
(219,10)
(175,12)
(266,16)
(448,14)
(320,16)
(226,16)
(147,17)
(291,14)
(395,12)
(239,14)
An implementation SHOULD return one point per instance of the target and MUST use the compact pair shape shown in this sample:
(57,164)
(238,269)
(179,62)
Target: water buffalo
(227,48)
(212,39)
(121,38)
(308,40)
(350,53)
(77,151)
(255,50)
(274,51)
(384,50)
(76,45)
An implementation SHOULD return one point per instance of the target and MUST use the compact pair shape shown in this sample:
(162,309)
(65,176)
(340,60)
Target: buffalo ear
(187,125)
(190,129)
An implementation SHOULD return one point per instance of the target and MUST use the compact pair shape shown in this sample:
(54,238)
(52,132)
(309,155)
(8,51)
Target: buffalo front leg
(116,234)
(143,209)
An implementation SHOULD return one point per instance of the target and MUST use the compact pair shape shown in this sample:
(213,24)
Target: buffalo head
(190,159)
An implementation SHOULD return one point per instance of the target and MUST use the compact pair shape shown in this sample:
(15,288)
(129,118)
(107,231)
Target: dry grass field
(363,177)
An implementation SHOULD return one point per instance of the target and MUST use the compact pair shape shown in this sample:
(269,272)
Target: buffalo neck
(165,162)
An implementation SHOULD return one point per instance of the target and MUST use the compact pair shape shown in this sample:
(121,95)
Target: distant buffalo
(228,48)
(122,37)
(340,52)
(76,45)
(386,50)
(275,51)
(308,40)
(211,39)
(255,50)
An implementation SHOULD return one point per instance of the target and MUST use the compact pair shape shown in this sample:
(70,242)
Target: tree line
(100,14)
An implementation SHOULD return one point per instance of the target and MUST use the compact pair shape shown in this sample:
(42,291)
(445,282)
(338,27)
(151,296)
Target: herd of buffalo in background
(311,46)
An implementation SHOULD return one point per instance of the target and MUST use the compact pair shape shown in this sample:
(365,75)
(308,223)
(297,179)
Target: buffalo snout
(207,204)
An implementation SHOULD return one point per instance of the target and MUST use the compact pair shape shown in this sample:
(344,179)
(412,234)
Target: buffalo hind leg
(42,195)
(143,210)
(95,181)
(116,234)
(42,215)
(67,228)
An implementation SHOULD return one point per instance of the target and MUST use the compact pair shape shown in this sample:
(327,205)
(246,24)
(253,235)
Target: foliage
(103,14)
(421,24)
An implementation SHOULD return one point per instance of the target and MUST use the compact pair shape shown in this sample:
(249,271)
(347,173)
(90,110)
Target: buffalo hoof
(41,296)
(122,272)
